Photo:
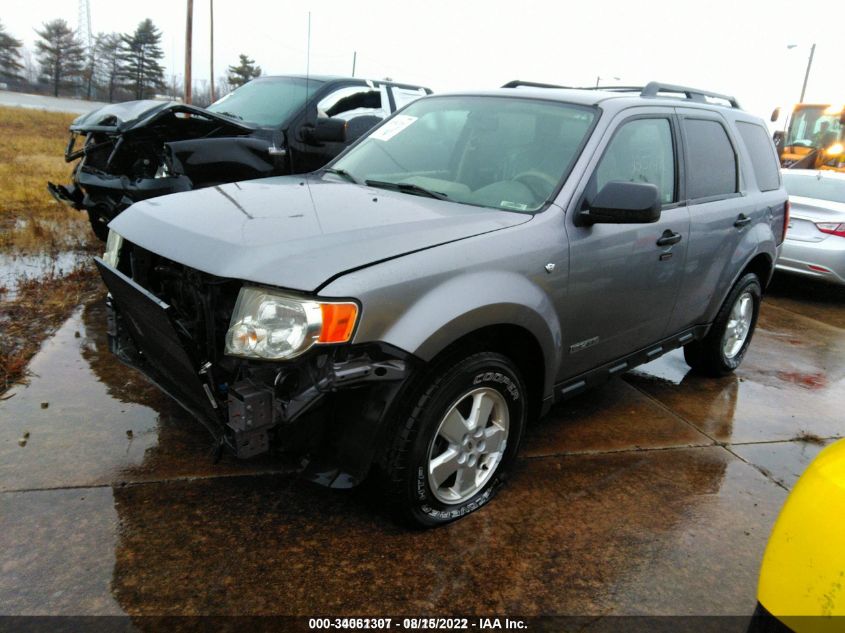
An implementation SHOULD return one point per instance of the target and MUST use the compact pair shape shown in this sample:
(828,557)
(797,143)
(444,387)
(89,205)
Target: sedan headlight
(275,326)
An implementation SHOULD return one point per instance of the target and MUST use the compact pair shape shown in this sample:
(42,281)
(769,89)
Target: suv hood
(124,117)
(296,232)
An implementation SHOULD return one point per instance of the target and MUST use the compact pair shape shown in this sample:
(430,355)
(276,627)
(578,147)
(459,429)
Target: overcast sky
(733,46)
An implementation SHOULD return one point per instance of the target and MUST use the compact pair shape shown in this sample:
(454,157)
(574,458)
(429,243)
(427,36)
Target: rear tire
(456,439)
(722,350)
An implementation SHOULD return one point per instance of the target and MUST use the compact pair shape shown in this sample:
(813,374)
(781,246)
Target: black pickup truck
(270,126)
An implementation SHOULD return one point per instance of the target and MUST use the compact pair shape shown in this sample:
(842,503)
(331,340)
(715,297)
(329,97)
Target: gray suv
(405,311)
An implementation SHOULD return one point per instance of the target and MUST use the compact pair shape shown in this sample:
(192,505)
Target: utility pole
(189,24)
(211,12)
(354,59)
(807,74)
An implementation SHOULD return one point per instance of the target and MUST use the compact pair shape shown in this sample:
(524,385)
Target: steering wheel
(540,183)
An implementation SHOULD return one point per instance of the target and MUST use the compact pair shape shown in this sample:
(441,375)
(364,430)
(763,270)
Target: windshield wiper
(407,187)
(342,173)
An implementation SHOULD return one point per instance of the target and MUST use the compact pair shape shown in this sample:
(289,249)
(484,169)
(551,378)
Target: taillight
(785,220)
(831,228)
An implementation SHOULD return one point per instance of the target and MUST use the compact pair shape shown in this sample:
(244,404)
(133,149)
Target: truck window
(763,156)
(711,161)
(641,151)
(350,102)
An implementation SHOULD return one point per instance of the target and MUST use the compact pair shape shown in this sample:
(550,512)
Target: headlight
(273,325)
(113,244)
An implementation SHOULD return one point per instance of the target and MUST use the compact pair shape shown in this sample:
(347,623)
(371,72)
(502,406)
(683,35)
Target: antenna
(84,25)
(308,60)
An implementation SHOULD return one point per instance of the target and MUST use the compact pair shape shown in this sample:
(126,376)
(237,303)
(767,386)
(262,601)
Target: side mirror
(622,202)
(331,130)
(775,115)
(777,137)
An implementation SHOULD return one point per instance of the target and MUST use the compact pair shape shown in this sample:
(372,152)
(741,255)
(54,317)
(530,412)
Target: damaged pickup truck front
(134,151)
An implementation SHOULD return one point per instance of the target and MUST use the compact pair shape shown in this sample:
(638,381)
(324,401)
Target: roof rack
(652,89)
(516,83)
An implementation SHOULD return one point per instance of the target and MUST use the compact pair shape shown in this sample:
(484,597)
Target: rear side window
(711,162)
(763,157)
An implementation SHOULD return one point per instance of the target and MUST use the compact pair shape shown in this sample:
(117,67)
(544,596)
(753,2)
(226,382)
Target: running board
(602,374)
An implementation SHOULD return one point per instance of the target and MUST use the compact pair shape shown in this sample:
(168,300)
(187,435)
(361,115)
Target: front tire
(456,440)
(722,350)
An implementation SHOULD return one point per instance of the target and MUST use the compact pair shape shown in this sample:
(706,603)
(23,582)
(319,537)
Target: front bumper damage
(331,405)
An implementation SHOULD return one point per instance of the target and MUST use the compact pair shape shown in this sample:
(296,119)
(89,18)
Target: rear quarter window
(764,160)
(711,161)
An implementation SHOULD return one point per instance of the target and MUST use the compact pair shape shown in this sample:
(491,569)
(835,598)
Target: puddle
(15,268)
(91,421)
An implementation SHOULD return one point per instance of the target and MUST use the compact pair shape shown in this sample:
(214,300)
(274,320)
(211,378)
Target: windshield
(266,101)
(814,126)
(499,152)
(815,186)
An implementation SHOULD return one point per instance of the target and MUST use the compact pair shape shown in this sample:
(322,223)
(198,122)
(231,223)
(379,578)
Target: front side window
(641,151)
(499,152)
(711,161)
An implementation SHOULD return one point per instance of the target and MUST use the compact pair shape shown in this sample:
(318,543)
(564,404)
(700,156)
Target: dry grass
(32,145)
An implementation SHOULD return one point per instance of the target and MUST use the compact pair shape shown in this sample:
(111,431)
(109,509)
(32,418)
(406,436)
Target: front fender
(466,303)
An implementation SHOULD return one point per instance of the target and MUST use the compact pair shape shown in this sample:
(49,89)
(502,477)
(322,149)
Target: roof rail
(516,83)
(653,88)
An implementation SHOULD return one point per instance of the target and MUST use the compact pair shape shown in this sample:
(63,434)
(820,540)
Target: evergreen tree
(243,72)
(60,54)
(140,59)
(10,55)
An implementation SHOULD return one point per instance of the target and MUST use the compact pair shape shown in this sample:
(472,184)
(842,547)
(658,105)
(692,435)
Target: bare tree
(109,47)
(60,54)
(30,67)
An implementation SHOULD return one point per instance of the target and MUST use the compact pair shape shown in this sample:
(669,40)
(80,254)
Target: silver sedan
(815,239)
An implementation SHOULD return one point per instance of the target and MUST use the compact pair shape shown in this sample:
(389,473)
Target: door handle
(742,220)
(668,238)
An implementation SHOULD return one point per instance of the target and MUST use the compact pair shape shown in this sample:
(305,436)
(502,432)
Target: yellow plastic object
(803,571)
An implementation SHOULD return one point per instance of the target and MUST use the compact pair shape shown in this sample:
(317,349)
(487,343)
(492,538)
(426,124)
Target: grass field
(32,146)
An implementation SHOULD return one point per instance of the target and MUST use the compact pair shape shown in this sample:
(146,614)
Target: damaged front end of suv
(262,369)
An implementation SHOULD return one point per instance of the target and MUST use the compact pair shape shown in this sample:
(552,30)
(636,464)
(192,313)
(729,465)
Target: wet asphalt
(653,494)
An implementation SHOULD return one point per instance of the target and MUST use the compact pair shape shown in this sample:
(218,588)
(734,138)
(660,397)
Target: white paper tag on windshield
(393,127)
